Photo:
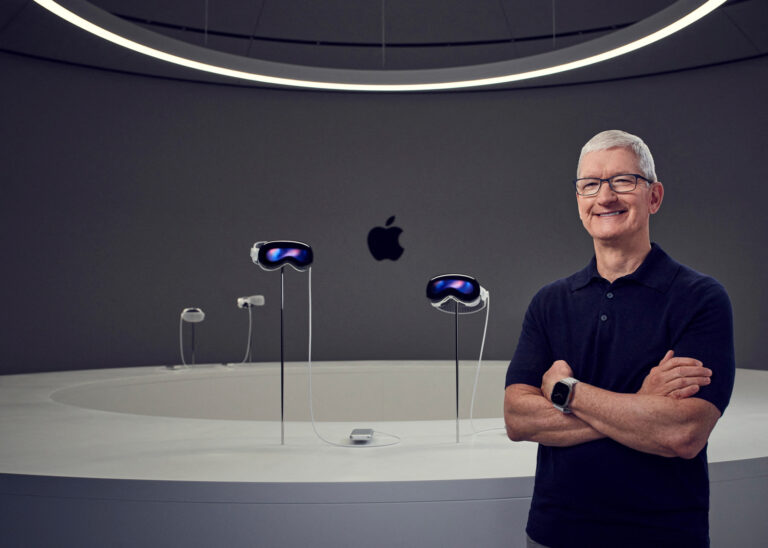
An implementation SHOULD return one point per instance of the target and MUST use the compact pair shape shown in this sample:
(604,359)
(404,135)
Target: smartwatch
(562,393)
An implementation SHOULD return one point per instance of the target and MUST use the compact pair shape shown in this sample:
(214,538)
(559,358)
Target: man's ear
(656,197)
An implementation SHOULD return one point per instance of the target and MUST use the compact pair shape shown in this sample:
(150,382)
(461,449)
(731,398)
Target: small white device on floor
(361,435)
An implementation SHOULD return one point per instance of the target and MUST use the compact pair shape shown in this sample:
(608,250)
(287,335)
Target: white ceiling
(390,34)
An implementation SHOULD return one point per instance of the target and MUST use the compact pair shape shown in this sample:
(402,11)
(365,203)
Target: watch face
(560,393)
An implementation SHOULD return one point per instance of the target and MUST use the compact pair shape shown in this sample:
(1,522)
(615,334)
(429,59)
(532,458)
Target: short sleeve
(533,355)
(708,336)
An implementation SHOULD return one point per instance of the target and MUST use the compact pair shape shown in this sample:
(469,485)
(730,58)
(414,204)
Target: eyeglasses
(622,183)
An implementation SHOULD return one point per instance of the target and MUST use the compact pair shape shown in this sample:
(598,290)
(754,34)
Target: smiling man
(620,373)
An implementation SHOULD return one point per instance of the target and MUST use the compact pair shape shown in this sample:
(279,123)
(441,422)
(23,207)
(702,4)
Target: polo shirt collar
(584,276)
(656,271)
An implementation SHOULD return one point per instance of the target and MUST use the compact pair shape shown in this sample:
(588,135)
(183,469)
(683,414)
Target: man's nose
(606,194)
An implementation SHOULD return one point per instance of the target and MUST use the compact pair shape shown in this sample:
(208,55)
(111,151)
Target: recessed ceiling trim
(126,34)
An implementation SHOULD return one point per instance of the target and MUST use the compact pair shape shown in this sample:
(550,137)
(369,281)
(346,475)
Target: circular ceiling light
(123,33)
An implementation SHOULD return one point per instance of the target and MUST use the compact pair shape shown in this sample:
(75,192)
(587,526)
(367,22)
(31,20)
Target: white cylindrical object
(193,315)
(248,302)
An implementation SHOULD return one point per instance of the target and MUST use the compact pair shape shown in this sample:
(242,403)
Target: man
(620,373)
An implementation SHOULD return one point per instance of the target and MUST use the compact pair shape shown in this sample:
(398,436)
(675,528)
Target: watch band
(563,384)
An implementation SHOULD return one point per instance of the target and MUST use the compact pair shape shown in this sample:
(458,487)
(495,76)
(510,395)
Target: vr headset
(276,254)
(456,293)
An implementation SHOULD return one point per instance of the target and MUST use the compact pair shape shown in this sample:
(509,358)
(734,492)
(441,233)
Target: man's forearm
(653,424)
(529,416)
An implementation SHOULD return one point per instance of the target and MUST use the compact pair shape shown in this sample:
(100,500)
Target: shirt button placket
(603,315)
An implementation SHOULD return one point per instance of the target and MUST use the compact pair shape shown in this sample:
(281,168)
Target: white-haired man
(620,373)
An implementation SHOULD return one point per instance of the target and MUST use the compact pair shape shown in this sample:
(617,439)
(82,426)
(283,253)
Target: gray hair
(616,138)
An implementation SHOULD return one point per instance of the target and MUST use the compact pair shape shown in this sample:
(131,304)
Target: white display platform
(158,457)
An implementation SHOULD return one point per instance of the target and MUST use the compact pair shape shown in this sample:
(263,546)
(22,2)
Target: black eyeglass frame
(610,183)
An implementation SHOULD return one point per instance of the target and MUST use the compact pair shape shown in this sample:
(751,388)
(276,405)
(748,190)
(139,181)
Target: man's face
(613,217)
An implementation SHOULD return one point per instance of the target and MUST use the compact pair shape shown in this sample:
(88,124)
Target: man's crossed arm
(661,418)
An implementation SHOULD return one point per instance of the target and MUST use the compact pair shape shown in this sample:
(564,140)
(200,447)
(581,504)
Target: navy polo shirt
(602,493)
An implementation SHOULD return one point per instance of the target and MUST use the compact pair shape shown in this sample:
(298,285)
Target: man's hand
(660,419)
(556,372)
(675,377)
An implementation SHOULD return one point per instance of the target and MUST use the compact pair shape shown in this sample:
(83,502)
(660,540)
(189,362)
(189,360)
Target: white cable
(477,374)
(250,331)
(311,403)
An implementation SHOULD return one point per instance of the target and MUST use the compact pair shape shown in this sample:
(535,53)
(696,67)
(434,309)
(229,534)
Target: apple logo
(383,243)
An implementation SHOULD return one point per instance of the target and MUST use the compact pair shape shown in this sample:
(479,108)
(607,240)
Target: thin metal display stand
(249,347)
(193,342)
(282,357)
(456,347)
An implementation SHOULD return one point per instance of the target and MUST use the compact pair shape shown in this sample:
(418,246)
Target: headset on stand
(276,255)
(461,294)
(279,253)
(191,316)
(249,303)
(451,291)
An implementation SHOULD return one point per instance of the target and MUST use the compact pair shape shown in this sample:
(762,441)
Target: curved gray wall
(126,199)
